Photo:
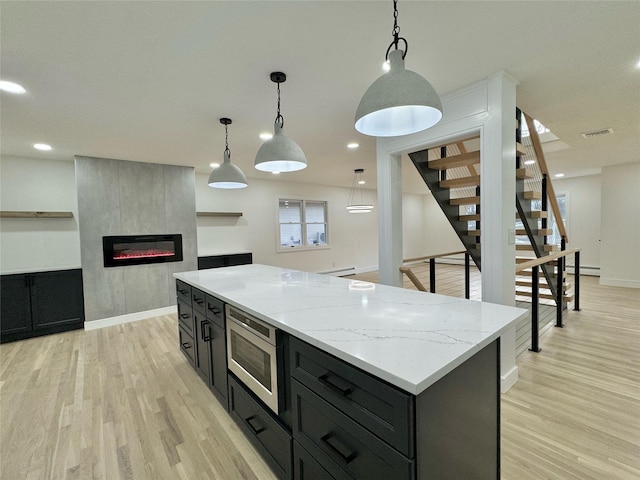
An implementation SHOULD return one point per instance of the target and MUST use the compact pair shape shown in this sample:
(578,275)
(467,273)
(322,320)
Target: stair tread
(520,150)
(465,200)
(462,160)
(536,214)
(539,231)
(470,181)
(547,248)
(530,195)
(473,233)
(524,173)
(548,296)
(469,218)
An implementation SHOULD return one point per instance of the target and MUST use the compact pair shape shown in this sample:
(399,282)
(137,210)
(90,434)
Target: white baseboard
(619,282)
(371,268)
(129,317)
(508,379)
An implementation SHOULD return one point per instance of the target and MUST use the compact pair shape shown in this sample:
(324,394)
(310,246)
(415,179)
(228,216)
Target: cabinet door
(56,298)
(219,362)
(15,304)
(203,350)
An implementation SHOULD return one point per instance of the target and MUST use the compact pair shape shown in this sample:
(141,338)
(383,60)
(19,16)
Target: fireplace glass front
(141,249)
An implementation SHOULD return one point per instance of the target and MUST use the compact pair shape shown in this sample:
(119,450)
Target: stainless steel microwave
(255,356)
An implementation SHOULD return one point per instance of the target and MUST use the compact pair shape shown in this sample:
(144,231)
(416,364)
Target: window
(303,223)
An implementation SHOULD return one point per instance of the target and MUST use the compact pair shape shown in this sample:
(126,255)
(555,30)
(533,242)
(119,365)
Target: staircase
(450,171)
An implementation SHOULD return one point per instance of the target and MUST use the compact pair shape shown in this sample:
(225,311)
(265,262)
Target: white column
(497,211)
(389,172)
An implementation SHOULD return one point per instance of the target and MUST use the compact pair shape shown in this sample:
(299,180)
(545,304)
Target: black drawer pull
(183,292)
(186,345)
(204,326)
(199,301)
(256,429)
(339,447)
(184,316)
(215,310)
(338,384)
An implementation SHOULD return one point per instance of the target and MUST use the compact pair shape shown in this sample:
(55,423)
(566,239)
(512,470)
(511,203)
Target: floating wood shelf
(32,214)
(219,214)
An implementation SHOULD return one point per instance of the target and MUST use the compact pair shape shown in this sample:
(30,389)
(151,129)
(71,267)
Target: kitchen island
(376,380)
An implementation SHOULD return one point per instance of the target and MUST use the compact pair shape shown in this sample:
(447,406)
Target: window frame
(304,246)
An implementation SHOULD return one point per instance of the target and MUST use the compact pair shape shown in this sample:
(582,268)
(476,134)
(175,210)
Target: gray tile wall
(117,197)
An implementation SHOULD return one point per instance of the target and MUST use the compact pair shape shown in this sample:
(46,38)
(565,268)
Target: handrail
(432,272)
(537,147)
(544,259)
(409,260)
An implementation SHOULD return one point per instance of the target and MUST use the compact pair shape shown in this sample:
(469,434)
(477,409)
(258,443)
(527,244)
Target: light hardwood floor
(122,403)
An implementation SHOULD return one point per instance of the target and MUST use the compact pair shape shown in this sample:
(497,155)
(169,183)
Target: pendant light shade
(280,153)
(227,175)
(358,196)
(400,102)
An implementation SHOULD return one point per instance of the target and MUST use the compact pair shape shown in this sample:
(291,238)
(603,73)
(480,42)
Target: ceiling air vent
(597,133)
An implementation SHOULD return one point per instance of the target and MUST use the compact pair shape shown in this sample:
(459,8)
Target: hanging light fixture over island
(358,196)
(400,102)
(227,175)
(280,153)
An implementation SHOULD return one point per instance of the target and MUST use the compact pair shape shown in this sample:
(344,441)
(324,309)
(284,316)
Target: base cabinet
(41,303)
(305,467)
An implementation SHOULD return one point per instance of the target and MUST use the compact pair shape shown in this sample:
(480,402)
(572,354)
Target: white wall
(620,262)
(36,244)
(439,236)
(583,218)
(353,238)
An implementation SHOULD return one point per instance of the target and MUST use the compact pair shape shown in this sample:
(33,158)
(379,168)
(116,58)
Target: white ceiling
(148,81)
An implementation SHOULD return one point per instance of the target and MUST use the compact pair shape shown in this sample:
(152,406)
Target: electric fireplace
(124,250)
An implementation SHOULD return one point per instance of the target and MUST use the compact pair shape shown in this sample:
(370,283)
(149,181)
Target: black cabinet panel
(217,261)
(219,363)
(344,448)
(56,298)
(215,310)
(41,303)
(15,304)
(185,316)
(203,350)
(187,346)
(378,406)
(305,467)
(198,299)
(183,292)
(269,437)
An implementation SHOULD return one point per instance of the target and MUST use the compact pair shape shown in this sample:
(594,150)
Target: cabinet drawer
(185,317)
(269,437)
(183,292)
(198,299)
(379,407)
(187,346)
(344,448)
(305,467)
(215,310)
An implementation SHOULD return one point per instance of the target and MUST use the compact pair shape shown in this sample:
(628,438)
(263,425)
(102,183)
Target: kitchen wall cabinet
(227,260)
(40,303)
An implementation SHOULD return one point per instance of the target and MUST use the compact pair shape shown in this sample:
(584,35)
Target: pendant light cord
(279,118)
(226,141)
(396,34)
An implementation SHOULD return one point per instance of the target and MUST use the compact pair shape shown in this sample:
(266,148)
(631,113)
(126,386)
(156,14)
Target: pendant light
(280,153)
(400,102)
(358,197)
(227,175)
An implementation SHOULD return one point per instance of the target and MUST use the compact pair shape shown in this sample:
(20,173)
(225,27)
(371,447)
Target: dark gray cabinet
(265,432)
(305,467)
(40,303)
(228,260)
(201,323)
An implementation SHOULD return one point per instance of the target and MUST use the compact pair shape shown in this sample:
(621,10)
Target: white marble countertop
(410,339)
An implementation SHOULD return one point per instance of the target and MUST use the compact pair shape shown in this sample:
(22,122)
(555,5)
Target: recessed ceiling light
(529,162)
(353,145)
(214,165)
(266,136)
(42,146)
(11,87)
(559,175)
(385,66)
